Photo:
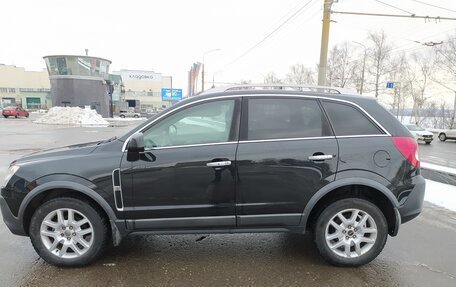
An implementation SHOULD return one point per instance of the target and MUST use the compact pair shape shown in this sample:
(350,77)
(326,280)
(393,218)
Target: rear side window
(348,120)
(283,118)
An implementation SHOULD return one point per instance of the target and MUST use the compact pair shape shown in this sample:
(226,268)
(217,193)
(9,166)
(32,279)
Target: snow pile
(441,194)
(72,116)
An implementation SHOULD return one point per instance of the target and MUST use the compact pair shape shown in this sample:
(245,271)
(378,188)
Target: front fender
(66,185)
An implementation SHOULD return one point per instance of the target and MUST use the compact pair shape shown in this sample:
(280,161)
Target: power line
(268,35)
(395,7)
(437,18)
(432,5)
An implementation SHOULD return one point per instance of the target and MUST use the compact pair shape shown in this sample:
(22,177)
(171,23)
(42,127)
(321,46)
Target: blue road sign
(390,85)
(171,95)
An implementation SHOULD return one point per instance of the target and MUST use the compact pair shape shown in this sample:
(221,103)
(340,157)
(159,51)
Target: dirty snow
(441,194)
(438,167)
(72,116)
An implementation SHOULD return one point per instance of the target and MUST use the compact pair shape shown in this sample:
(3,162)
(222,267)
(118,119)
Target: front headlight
(11,171)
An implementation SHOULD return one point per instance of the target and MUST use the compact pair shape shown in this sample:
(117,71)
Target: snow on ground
(441,194)
(125,119)
(438,167)
(72,116)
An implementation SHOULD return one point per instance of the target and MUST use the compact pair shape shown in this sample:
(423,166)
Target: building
(144,87)
(28,89)
(80,81)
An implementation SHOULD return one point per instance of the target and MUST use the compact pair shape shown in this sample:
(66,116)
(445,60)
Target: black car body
(271,161)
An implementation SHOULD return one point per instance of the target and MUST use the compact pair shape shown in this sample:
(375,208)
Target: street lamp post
(202,72)
(364,66)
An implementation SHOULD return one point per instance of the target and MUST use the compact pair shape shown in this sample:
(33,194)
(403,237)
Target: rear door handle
(321,157)
(218,163)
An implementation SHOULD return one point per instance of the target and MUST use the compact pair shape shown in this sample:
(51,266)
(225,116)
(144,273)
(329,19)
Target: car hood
(424,133)
(54,153)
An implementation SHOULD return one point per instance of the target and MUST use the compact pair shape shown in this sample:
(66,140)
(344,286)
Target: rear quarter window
(349,121)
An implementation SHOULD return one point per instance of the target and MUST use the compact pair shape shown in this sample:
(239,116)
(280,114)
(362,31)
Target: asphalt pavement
(423,254)
(440,153)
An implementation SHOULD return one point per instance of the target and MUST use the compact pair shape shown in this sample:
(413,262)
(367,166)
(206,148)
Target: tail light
(409,149)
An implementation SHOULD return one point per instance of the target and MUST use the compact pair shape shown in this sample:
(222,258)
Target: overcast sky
(168,36)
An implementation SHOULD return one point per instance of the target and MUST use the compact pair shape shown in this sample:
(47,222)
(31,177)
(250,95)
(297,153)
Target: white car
(129,114)
(420,134)
(449,134)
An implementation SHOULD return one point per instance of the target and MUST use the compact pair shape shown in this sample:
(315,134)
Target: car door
(451,133)
(186,177)
(286,153)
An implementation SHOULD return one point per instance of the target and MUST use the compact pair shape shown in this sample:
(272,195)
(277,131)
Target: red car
(14,112)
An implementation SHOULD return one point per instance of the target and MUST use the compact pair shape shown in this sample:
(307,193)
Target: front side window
(348,120)
(283,118)
(200,124)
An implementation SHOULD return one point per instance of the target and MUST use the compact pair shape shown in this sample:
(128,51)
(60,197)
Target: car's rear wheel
(68,232)
(136,116)
(350,232)
(442,137)
(122,116)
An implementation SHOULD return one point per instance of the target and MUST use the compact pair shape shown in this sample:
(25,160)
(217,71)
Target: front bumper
(12,222)
(412,207)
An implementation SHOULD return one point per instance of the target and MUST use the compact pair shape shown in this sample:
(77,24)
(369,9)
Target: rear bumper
(12,222)
(414,204)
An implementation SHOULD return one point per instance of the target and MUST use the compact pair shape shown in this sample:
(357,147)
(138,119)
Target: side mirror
(136,143)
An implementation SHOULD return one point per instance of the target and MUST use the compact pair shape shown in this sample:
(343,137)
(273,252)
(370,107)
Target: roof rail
(286,87)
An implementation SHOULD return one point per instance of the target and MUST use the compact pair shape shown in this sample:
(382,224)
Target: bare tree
(418,79)
(300,74)
(379,54)
(271,78)
(341,64)
(446,61)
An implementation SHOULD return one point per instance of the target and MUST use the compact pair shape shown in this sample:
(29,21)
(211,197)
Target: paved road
(440,153)
(423,254)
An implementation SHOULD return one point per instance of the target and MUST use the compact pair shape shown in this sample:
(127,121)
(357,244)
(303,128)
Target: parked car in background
(129,114)
(449,134)
(14,112)
(420,133)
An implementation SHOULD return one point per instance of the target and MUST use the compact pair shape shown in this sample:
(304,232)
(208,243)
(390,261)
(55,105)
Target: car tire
(442,137)
(122,116)
(361,242)
(428,142)
(6,117)
(15,116)
(64,242)
(136,116)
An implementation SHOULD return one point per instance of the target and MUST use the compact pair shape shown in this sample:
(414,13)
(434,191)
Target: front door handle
(321,157)
(218,163)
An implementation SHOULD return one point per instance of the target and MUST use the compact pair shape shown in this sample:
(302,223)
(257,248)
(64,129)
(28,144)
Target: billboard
(132,75)
(171,94)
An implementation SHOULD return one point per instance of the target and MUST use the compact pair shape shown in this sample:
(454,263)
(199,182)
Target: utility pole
(202,68)
(324,42)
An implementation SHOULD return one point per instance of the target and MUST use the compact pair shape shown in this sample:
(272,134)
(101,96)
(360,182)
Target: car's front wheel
(68,232)
(442,137)
(350,232)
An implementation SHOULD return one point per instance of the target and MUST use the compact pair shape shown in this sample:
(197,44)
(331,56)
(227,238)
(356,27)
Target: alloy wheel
(67,233)
(351,233)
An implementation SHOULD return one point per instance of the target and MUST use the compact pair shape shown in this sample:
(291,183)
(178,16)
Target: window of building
(203,123)
(12,90)
(283,118)
(3,90)
(347,120)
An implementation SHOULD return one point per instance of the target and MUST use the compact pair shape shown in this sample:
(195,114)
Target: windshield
(414,128)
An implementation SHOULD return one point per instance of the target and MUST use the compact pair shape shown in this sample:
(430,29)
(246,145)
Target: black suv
(244,159)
